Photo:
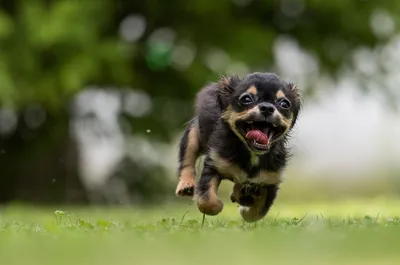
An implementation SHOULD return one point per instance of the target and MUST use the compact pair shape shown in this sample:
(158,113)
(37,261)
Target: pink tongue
(258,136)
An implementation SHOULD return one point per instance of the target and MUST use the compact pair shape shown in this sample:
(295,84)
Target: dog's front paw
(245,194)
(209,206)
(246,200)
(250,214)
(185,187)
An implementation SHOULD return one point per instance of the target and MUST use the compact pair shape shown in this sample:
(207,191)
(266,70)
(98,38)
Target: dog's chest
(237,175)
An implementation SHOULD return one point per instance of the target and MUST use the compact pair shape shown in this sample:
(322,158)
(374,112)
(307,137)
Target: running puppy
(241,126)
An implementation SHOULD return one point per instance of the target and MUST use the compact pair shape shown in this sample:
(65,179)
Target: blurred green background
(94,94)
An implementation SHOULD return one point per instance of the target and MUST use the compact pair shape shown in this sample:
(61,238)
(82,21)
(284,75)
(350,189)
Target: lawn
(341,232)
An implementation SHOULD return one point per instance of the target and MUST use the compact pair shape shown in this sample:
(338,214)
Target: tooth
(271,135)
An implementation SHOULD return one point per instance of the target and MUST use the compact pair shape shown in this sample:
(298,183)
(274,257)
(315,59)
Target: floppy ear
(225,89)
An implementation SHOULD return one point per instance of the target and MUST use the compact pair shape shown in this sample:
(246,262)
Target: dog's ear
(226,87)
(295,91)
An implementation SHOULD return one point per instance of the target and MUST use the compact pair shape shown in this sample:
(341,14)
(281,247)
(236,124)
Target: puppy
(241,126)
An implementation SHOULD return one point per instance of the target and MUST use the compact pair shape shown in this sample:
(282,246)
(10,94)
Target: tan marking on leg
(252,90)
(193,146)
(186,183)
(209,203)
(280,94)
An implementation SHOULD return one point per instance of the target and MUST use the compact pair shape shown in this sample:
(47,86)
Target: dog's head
(259,108)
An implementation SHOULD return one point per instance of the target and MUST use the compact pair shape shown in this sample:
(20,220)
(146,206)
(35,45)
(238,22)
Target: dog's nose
(266,108)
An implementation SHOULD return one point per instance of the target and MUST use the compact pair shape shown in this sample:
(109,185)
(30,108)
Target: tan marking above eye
(252,90)
(280,94)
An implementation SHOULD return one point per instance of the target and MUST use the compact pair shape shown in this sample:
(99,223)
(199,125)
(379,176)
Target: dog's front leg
(189,150)
(259,205)
(207,189)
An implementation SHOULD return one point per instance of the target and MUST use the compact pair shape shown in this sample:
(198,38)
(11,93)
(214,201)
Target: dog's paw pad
(246,200)
(187,191)
(185,188)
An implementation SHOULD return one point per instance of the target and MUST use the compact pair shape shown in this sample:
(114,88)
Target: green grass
(352,232)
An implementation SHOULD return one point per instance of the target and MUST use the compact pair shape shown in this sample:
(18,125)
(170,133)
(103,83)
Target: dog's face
(260,108)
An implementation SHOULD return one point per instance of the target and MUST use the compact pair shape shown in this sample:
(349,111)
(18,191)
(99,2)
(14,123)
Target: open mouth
(259,134)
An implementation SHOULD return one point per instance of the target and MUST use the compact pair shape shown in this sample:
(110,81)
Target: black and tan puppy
(241,125)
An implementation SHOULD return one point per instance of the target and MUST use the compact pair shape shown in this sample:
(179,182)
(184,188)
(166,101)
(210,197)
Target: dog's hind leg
(189,151)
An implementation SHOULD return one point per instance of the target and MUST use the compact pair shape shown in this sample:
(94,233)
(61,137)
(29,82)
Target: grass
(342,232)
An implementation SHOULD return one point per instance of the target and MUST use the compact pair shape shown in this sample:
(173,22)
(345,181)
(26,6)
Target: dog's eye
(245,99)
(284,104)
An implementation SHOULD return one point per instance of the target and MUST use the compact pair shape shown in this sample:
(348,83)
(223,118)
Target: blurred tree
(49,50)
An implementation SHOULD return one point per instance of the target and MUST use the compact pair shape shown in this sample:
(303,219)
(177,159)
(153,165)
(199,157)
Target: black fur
(209,173)
(216,134)
(272,192)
